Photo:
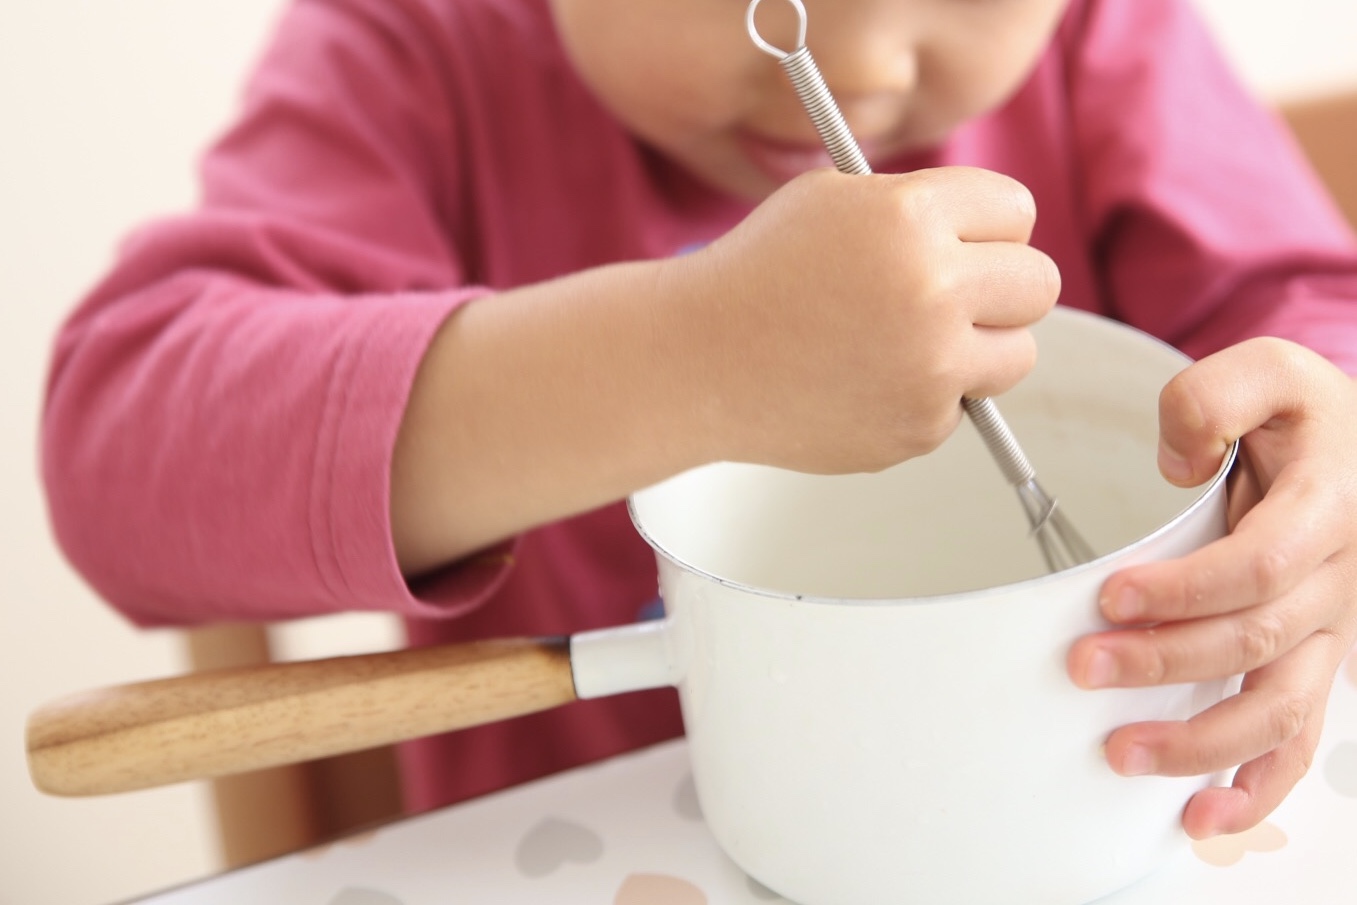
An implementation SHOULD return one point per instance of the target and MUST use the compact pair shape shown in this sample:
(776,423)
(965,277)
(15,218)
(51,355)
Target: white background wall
(103,107)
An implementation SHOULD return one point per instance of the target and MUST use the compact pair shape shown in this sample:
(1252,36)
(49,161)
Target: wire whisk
(1061,545)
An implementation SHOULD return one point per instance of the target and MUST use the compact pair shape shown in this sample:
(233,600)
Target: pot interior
(947,522)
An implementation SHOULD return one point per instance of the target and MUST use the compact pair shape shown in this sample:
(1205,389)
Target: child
(467,272)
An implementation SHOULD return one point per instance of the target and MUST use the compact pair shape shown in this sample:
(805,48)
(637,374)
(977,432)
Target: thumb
(1209,405)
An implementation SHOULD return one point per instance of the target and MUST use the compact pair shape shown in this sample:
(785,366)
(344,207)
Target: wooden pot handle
(210,724)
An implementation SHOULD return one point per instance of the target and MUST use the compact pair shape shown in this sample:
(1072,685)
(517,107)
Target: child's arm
(832,331)
(226,432)
(1276,599)
(220,408)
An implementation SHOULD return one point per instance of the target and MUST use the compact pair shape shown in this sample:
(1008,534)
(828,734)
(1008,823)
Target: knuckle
(1291,364)
(1155,665)
(1287,357)
(915,197)
(1270,569)
(1288,715)
(1304,758)
(1260,638)
(1209,756)
(1002,189)
(941,285)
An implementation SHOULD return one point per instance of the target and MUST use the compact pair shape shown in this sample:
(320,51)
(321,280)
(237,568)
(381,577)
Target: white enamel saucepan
(871,667)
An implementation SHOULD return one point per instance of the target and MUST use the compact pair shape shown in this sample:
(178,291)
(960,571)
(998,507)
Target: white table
(628,832)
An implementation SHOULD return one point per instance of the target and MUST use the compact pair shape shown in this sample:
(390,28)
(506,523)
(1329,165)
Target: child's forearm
(543,402)
(833,330)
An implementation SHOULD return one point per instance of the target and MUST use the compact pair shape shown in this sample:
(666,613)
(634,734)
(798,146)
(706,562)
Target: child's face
(684,75)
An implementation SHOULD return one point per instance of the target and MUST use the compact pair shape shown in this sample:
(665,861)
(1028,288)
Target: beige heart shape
(657,889)
(1222,851)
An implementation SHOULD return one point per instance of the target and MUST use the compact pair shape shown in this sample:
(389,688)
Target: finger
(999,359)
(1219,399)
(1241,728)
(1002,358)
(1258,787)
(974,204)
(1262,782)
(1003,284)
(1275,546)
(1200,649)
(1278,705)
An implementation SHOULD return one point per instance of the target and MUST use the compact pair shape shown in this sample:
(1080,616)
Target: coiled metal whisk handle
(1061,545)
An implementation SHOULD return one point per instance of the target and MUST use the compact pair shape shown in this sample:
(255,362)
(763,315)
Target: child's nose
(872,81)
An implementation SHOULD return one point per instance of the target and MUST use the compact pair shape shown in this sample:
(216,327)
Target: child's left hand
(1276,599)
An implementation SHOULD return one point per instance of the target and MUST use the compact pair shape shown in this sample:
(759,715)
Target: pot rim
(1208,491)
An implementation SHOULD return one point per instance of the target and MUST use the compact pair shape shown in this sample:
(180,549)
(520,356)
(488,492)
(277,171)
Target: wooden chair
(1326,126)
(288,808)
(271,812)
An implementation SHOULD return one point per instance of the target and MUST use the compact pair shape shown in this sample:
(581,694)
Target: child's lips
(783,161)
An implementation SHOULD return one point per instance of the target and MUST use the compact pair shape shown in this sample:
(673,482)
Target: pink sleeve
(1211,226)
(221,410)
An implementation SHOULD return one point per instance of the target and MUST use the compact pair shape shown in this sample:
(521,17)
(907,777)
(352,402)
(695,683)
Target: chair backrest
(1326,127)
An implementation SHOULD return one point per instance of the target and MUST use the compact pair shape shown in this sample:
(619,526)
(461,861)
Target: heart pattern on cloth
(1222,851)
(355,896)
(658,889)
(685,799)
(553,842)
(1340,769)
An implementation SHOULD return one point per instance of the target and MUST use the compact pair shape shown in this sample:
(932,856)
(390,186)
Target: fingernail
(1126,605)
(1101,670)
(1137,761)
(1173,466)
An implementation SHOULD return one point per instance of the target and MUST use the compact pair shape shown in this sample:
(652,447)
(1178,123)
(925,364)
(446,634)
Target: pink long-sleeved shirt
(222,407)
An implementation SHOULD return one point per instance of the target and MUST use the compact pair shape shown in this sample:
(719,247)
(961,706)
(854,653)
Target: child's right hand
(837,328)
(834,330)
